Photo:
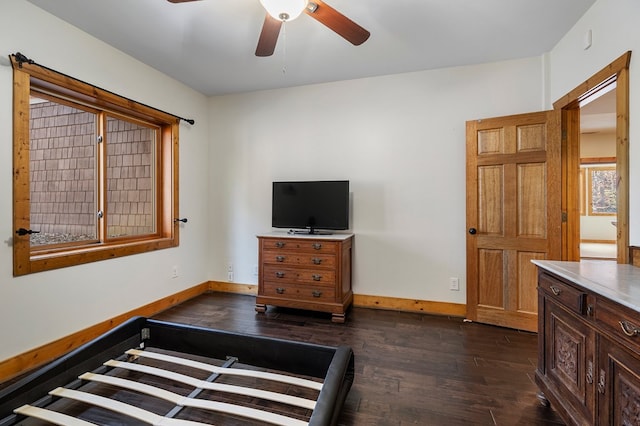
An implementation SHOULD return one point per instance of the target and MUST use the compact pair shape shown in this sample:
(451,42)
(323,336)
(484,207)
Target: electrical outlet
(230,276)
(454,284)
(230,267)
(174,272)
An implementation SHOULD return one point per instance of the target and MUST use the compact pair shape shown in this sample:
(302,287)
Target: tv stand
(310,272)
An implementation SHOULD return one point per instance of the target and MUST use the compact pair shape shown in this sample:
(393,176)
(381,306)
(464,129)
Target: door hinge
(565,217)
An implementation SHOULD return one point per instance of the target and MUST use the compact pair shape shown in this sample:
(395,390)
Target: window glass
(62,169)
(131,203)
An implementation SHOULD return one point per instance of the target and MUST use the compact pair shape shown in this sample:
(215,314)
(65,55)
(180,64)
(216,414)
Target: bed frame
(153,372)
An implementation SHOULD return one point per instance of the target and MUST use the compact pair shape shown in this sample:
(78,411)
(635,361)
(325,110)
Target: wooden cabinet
(306,272)
(589,353)
(618,384)
(618,375)
(566,359)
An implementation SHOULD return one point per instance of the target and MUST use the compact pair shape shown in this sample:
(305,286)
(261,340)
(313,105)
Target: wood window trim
(597,160)
(583,178)
(24,260)
(589,185)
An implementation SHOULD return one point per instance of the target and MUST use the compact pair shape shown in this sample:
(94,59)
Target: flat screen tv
(311,205)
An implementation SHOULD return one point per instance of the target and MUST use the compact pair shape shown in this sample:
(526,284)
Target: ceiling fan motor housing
(284,10)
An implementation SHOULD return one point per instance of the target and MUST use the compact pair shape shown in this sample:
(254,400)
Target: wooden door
(513,214)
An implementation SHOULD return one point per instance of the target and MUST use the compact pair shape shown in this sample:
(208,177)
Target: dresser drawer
(299,276)
(285,257)
(622,323)
(284,290)
(566,295)
(300,245)
(317,277)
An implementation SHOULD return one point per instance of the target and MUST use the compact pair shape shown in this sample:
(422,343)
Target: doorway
(615,78)
(598,189)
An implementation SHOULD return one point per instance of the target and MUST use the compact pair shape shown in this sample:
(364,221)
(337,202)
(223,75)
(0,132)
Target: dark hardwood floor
(410,368)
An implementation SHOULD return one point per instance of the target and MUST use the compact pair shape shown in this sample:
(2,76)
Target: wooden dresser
(589,341)
(305,272)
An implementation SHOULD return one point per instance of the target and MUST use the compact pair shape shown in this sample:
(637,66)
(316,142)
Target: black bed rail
(334,365)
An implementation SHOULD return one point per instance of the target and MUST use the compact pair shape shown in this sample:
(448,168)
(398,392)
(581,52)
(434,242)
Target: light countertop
(285,234)
(620,283)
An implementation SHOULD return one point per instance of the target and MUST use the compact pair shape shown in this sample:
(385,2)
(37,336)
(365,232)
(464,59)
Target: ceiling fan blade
(180,1)
(268,36)
(337,22)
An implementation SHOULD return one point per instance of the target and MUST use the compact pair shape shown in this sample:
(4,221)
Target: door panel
(531,212)
(490,199)
(532,138)
(490,266)
(513,214)
(528,282)
(491,141)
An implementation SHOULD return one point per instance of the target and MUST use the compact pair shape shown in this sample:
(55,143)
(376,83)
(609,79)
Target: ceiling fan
(279,11)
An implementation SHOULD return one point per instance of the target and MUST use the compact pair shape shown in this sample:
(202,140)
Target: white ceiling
(210,44)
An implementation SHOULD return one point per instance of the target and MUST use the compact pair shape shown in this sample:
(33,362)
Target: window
(95,174)
(602,195)
(598,189)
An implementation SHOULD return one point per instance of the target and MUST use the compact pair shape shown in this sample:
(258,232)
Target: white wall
(42,307)
(399,139)
(615,29)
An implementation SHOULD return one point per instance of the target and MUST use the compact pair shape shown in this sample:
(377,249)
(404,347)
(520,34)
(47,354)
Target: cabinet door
(618,383)
(569,345)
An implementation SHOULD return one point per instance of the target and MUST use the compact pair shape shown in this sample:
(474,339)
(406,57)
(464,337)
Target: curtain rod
(20,58)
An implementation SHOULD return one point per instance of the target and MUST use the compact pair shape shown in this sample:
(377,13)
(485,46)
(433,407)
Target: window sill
(55,260)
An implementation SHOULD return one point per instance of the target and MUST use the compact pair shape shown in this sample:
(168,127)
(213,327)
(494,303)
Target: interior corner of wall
(545,69)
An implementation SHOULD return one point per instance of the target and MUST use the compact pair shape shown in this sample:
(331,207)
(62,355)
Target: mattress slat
(180,400)
(283,378)
(51,416)
(122,408)
(219,387)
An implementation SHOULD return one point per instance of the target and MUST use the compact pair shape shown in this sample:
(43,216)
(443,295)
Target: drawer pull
(629,328)
(316,246)
(602,383)
(280,258)
(280,290)
(316,260)
(280,274)
(279,244)
(590,310)
(590,372)
(316,293)
(555,290)
(316,277)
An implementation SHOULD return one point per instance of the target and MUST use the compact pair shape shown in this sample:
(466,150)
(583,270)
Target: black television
(310,205)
